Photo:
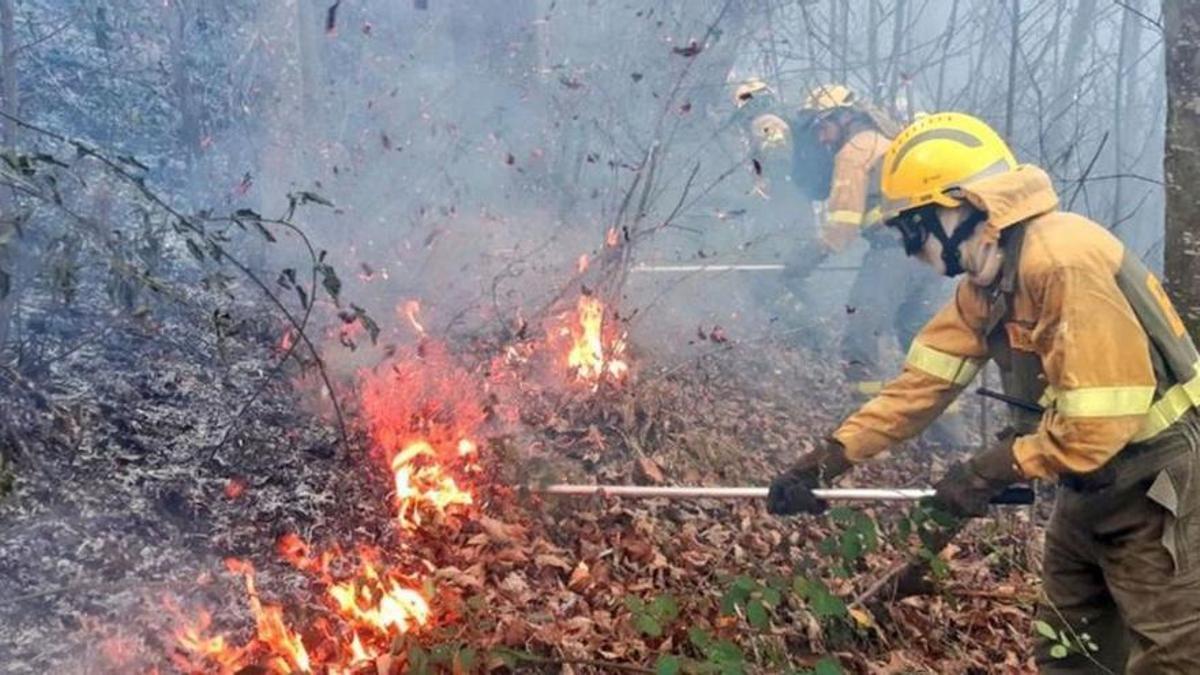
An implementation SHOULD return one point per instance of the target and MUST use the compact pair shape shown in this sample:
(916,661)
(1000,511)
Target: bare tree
(1181,22)
(8,215)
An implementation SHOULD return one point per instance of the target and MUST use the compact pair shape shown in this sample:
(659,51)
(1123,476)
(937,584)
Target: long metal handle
(746,267)
(1014,495)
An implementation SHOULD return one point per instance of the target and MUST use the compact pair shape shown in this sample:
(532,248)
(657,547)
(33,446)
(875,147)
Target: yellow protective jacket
(854,196)
(1073,322)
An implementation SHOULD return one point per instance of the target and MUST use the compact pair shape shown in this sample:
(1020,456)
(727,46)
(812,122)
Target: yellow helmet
(748,89)
(829,97)
(936,154)
(770,131)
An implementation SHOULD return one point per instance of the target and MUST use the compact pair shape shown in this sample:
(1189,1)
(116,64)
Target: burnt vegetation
(301,303)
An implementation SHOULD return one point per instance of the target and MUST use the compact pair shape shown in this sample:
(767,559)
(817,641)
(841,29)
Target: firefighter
(840,142)
(1076,322)
(765,130)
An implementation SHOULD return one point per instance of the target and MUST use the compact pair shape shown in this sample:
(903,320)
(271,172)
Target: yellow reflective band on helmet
(956,370)
(846,217)
(1104,401)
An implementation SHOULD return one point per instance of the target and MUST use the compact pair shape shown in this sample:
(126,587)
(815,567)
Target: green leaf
(828,546)
(1045,630)
(648,625)
(466,659)
(827,666)
(634,604)
(745,584)
(757,615)
(852,546)
(667,664)
(1058,652)
(802,587)
(724,652)
(699,638)
(665,608)
(842,515)
(826,605)
(772,597)
(418,661)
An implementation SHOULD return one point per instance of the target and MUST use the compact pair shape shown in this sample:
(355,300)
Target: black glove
(968,487)
(791,491)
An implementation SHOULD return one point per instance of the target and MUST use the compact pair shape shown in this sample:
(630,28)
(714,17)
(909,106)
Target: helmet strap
(952,243)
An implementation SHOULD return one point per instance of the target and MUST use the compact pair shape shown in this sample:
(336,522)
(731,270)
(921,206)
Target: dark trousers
(1122,562)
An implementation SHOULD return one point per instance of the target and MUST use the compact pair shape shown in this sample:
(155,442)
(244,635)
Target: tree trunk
(896,70)
(1014,43)
(1181,165)
(1067,82)
(189,134)
(8,215)
(1127,54)
(873,49)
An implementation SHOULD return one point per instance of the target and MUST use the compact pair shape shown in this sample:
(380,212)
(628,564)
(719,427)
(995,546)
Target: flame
(385,606)
(411,309)
(288,649)
(423,417)
(286,341)
(590,358)
(582,265)
(422,486)
(611,238)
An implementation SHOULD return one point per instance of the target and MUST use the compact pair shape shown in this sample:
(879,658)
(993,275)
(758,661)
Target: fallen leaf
(580,578)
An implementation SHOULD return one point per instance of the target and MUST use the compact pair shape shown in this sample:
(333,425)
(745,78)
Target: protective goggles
(914,226)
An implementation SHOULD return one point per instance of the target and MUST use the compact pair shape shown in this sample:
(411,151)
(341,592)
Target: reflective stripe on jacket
(1076,322)
(854,197)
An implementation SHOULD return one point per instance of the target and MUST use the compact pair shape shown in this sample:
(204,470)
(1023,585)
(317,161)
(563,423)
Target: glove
(968,487)
(802,266)
(791,491)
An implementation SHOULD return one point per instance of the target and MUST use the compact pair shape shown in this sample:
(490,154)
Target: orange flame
(590,357)
(423,417)
(411,309)
(382,605)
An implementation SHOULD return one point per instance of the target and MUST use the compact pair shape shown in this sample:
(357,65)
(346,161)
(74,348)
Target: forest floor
(123,503)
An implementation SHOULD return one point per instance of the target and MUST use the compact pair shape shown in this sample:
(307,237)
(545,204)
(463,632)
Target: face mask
(917,225)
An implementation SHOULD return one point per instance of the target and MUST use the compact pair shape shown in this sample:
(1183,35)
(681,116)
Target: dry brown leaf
(650,471)
(549,560)
(580,578)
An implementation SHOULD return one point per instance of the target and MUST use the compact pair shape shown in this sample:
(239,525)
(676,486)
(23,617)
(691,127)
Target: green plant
(1065,642)
(652,618)
(756,600)
(857,535)
(720,655)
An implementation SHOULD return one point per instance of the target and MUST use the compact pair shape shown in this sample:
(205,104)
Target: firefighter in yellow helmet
(887,298)
(1078,324)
